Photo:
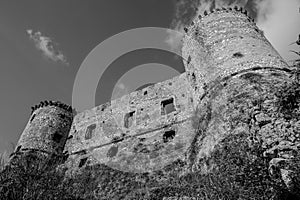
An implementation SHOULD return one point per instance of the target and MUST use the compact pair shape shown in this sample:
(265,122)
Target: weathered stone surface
(47,129)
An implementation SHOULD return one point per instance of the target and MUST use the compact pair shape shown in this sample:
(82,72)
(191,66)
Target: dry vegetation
(3,159)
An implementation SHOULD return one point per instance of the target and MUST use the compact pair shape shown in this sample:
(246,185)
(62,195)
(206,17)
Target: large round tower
(47,128)
(223,42)
(247,100)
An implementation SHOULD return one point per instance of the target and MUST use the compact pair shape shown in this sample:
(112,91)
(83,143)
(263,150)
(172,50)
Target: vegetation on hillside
(29,176)
(3,159)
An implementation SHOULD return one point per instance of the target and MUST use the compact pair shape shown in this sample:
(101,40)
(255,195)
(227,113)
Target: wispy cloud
(280,22)
(47,46)
(277,18)
(120,90)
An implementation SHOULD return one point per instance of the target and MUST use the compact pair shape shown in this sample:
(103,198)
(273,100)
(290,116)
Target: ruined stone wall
(47,128)
(141,131)
(223,42)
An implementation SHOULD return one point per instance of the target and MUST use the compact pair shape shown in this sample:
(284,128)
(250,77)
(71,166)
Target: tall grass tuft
(4,157)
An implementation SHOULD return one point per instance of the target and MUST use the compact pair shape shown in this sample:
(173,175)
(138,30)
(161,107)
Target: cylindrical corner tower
(47,128)
(223,42)
(246,99)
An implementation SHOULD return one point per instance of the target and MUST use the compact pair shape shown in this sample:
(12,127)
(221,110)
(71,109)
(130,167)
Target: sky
(43,43)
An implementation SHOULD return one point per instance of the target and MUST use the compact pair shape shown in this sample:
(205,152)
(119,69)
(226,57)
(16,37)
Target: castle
(150,128)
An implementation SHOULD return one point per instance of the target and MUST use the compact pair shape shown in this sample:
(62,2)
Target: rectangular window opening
(168,106)
(57,137)
(168,135)
(89,131)
(82,162)
(129,119)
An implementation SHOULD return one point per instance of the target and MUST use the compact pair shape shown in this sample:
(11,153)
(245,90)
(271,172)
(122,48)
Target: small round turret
(47,128)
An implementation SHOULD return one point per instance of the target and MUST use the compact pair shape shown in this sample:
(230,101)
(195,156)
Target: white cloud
(174,39)
(121,86)
(280,21)
(120,90)
(47,47)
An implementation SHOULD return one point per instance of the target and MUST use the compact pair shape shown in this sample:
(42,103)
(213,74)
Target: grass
(4,158)
(30,176)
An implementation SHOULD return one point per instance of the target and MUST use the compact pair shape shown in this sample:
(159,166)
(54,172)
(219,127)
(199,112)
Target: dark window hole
(168,136)
(82,162)
(189,60)
(168,106)
(238,55)
(128,119)
(193,76)
(57,137)
(89,131)
(112,151)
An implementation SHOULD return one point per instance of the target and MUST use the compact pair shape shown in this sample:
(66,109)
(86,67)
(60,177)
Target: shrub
(29,176)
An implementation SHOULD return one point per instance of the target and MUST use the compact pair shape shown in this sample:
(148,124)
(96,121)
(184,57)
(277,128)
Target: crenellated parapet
(227,10)
(51,103)
(222,10)
(47,128)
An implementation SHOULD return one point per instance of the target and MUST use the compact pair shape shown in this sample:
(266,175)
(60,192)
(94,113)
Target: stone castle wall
(134,128)
(147,129)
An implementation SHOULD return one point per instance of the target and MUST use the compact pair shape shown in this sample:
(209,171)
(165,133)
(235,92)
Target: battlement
(51,103)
